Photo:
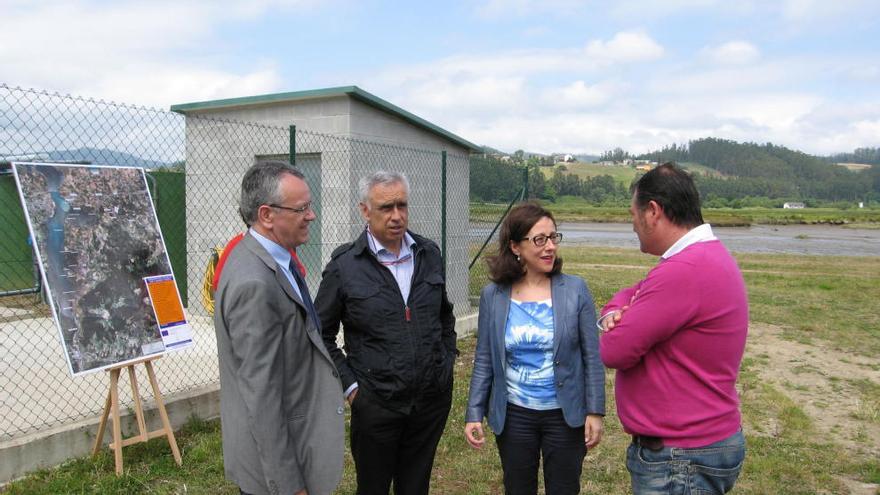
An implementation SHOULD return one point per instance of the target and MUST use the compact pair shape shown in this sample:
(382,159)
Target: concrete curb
(55,446)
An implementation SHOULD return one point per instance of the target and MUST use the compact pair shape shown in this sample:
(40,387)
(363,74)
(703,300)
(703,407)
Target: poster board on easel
(99,246)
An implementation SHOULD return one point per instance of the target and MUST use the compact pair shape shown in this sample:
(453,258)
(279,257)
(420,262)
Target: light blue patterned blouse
(528,341)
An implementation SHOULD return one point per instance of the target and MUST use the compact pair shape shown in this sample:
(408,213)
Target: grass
(868,401)
(148,468)
(623,174)
(809,297)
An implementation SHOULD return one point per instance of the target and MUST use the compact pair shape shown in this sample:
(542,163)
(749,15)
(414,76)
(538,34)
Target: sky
(545,76)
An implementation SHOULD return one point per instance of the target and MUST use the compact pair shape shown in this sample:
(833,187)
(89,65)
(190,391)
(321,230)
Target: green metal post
(443,208)
(293,145)
(495,229)
(526,183)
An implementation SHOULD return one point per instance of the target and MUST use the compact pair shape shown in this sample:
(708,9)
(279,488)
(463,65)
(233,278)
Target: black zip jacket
(401,353)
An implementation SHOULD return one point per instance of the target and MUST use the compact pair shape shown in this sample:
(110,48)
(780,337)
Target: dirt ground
(820,380)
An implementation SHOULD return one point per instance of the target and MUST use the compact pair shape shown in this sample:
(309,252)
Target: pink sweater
(678,348)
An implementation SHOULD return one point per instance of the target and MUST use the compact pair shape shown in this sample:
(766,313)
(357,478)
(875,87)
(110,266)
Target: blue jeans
(712,469)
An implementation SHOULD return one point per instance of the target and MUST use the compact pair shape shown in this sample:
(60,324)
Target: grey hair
(261,185)
(380,177)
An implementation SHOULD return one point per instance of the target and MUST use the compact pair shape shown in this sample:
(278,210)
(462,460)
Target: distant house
(646,167)
(793,205)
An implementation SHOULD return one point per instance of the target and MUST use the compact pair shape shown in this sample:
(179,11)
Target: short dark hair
(261,186)
(504,268)
(673,189)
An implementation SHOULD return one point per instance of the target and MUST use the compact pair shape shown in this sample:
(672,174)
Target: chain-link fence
(195,165)
(485,222)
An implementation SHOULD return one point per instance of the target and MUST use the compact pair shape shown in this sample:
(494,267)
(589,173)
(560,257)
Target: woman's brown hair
(504,268)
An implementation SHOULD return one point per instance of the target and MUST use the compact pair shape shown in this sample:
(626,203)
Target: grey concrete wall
(323,115)
(217,155)
(220,149)
(372,124)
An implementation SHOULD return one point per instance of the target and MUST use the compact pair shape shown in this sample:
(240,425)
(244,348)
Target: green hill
(622,174)
(727,173)
(771,171)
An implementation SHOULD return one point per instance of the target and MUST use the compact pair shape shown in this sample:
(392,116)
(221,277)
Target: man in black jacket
(388,290)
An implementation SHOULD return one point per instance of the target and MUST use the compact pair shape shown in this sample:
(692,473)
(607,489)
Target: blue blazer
(577,368)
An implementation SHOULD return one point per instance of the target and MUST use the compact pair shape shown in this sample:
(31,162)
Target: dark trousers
(391,446)
(529,435)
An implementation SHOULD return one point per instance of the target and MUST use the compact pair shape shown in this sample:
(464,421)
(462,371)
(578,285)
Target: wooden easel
(112,406)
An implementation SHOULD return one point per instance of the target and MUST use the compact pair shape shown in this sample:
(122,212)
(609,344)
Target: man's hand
(301,492)
(592,430)
(610,320)
(473,433)
(351,397)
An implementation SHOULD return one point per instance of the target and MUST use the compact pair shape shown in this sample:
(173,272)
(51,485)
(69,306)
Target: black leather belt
(650,443)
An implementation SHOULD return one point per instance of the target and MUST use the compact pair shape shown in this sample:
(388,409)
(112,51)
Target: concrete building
(341,134)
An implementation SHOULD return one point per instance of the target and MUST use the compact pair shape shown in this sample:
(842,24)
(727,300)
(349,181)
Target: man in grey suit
(281,404)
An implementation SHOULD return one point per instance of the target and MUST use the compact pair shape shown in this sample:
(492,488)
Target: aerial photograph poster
(97,237)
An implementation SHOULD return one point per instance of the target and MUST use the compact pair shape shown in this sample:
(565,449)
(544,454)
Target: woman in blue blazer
(537,374)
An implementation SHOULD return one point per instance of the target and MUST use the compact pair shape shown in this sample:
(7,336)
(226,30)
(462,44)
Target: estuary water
(828,240)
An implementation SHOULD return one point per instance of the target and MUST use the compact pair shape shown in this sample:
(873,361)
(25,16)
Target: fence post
(443,208)
(293,145)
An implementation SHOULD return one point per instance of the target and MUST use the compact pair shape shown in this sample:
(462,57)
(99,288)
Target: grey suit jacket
(281,404)
(577,368)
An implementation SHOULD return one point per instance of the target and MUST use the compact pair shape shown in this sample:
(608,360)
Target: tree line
(870,156)
(773,172)
(497,181)
(749,174)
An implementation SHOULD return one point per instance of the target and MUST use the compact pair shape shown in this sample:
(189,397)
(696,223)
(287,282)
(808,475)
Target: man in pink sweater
(676,339)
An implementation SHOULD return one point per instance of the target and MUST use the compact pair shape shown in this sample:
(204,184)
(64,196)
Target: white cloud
(732,53)
(149,53)
(162,86)
(781,119)
(809,17)
(517,62)
(576,95)
(624,89)
(537,31)
(587,99)
(719,82)
(636,10)
(493,9)
(575,133)
(478,94)
(863,72)
(821,10)
(625,47)
(487,94)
